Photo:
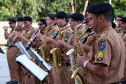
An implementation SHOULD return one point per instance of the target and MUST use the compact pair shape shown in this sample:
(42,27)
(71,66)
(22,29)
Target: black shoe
(11,82)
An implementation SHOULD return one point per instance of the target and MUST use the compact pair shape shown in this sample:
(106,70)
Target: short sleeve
(103,51)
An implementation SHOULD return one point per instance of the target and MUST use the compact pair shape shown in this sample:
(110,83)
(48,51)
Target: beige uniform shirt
(14,67)
(65,35)
(110,50)
(27,33)
(63,74)
(123,36)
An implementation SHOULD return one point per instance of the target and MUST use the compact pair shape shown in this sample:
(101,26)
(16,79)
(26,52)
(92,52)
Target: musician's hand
(9,35)
(5,27)
(14,38)
(48,40)
(80,60)
(39,35)
(37,41)
(15,33)
(60,43)
(74,44)
(20,35)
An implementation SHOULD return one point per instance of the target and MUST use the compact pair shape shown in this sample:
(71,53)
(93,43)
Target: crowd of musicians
(81,50)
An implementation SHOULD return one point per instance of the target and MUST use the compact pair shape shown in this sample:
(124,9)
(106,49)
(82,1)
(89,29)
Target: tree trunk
(85,7)
(72,5)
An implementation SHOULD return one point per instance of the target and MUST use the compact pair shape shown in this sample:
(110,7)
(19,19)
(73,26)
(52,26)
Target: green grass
(2,44)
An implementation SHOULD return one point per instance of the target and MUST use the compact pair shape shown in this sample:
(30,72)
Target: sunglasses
(25,22)
(40,24)
(118,19)
(10,23)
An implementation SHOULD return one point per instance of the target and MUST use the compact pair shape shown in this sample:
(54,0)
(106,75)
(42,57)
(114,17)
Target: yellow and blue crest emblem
(100,56)
(101,44)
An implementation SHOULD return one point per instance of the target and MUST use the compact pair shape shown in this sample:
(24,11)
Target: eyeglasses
(10,23)
(118,19)
(40,24)
(25,22)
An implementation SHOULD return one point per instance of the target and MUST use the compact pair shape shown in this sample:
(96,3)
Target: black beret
(61,14)
(52,16)
(123,19)
(113,25)
(12,20)
(43,21)
(20,19)
(77,16)
(119,16)
(100,7)
(27,18)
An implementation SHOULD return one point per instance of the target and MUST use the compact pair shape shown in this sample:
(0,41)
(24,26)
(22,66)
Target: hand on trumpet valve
(80,60)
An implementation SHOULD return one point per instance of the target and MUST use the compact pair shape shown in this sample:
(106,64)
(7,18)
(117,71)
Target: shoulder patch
(67,35)
(54,32)
(100,56)
(80,33)
(102,44)
(28,32)
(35,30)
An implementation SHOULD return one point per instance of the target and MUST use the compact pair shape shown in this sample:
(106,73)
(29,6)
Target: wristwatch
(85,63)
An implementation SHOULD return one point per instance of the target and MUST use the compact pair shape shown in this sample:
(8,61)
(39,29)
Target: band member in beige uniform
(61,75)
(52,31)
(123,36)
(36,45)
(119,24)
(25,36)
(107,56)
(76,19)
(20,26)
(13,65)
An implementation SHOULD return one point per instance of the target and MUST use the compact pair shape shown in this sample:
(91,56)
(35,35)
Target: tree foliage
(40,8)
